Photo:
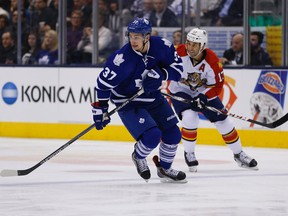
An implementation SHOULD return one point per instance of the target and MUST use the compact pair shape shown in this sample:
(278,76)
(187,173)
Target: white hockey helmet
(197,35)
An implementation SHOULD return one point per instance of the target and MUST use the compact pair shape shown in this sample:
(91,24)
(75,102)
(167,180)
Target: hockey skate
(169,175)
(191,161)
(142,167)
(244,161)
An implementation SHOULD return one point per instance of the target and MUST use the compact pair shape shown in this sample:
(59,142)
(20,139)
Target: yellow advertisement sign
(274,44)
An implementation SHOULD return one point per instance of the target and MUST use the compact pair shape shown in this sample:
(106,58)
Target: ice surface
(99,178)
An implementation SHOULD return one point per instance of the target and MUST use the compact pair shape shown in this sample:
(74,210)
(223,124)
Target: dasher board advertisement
(64,95)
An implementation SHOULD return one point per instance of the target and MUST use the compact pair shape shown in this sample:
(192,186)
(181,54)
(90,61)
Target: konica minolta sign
(9,93)
(46,94)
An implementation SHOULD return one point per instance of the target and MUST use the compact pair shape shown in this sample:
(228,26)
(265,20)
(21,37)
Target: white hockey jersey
(209,68)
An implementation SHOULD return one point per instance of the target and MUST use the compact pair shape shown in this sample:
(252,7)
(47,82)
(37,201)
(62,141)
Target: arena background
(54,101)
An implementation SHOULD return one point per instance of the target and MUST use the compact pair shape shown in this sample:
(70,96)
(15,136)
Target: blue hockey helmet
(140,25)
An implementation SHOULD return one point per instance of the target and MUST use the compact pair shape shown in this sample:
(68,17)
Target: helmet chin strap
(144,43)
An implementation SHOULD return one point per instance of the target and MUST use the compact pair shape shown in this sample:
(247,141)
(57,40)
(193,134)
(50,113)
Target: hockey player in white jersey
(202,81)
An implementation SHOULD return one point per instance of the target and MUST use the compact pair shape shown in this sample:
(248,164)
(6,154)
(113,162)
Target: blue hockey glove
(199,103)
(100,115)
(153,81)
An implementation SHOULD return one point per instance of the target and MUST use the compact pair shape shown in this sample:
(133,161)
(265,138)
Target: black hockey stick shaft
(5,173)
(274,124)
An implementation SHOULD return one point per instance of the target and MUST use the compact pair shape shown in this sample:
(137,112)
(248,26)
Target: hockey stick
(7,172)
(274,124)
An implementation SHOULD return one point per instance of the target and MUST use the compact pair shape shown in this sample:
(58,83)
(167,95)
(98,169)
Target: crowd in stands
(39,23)
(258,56)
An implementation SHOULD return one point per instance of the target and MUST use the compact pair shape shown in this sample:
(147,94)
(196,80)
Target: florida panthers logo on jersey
(194,80)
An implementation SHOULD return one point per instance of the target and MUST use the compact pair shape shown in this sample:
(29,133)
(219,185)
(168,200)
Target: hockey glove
(153,81)
(199,103)
(100,115)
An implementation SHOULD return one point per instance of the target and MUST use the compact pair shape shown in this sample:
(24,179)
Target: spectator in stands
(85,46)
(258,55)
(116,17)
(177,38)
(14,4)
(234,55)
(228,13)
(5,5)
(24,6)
(74,35)
(69,4)
(42,17)
(85,6)
(137,7)
(48,53)
(33,47)
(8,51)
(4,23)
(4,12)
(25,28)
(146,10)
(104,9)
(176,7)
(205,6)
(162,16)
(54,7)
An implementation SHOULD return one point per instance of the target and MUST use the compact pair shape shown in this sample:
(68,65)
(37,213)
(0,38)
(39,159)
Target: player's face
(192,48)
(136,41)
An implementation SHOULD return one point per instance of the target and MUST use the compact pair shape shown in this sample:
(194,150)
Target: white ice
(98,178)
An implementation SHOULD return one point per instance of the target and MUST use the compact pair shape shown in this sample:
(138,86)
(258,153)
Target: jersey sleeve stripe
(166,73)
(105,83)
(177,67)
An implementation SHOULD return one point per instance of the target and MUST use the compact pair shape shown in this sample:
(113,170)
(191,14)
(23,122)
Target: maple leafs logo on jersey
(118,59)
(167,42)
(44,59)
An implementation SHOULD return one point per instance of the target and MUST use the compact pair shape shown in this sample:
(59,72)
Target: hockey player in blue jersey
(144,62)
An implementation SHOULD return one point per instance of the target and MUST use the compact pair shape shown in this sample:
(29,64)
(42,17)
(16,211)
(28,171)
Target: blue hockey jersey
(125,69)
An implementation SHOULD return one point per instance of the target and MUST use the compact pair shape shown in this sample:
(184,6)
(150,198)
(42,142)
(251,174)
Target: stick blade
(280,121)
(6,173)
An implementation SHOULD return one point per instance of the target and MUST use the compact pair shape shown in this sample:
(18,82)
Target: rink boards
(54,102)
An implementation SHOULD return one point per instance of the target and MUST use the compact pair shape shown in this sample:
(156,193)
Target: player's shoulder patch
(118,59)
(181,50)
(119,56)
(167,42)
(160,41)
